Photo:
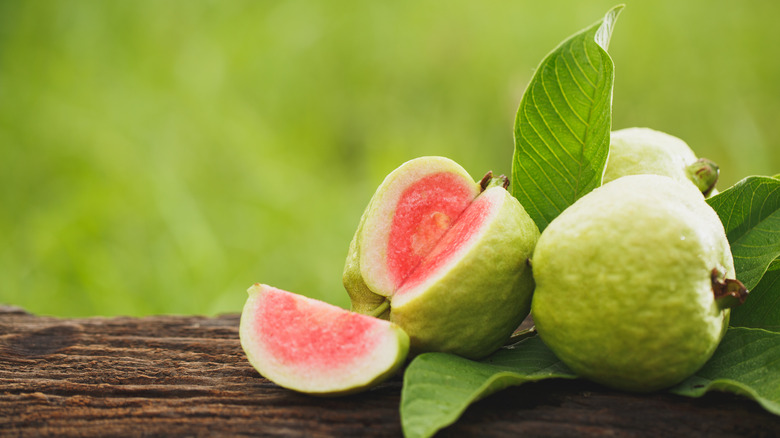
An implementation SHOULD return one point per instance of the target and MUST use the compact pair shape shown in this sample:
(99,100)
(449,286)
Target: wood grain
(187,376)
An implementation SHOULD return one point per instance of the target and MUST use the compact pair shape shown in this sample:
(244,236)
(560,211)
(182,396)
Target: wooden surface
(187,376)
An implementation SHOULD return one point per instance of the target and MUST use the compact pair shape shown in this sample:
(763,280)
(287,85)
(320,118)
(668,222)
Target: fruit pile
(441,263)
(616,242)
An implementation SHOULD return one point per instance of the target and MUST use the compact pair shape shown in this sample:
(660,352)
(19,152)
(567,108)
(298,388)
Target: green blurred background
(161,156)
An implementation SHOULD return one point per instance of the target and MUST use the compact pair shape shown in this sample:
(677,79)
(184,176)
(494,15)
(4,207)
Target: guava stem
(379,310)
(728,292)
(704,173)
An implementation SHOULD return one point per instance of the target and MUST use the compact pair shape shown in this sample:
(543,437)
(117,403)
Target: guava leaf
(750,212)
(747,362)
(438,387)
(762,307)
(563,123)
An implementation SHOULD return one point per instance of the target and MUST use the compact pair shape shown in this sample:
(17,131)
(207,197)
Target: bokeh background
(161,156)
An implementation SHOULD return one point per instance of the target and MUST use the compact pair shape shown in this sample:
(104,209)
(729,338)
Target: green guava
(633,283)
(637,151)
(316,348)
(443,257)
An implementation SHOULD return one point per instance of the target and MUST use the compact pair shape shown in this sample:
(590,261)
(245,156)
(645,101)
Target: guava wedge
(316,348)
(444,257)
(640,151)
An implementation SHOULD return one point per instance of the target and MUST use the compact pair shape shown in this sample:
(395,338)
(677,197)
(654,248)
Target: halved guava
(444,257)
(314,347)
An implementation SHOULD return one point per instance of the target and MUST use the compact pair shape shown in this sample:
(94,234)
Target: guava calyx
(704,173)
(728,292)
(489,180)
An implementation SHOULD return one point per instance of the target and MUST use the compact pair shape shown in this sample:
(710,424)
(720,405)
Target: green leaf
(762,307)
(750,212)
(438,387)
(747,362)
(563,124)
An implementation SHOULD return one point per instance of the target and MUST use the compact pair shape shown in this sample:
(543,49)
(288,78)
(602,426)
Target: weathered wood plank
(187,375)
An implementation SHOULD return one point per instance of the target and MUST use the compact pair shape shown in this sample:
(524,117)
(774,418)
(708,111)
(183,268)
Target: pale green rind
(563,123)
(637,151)
(373,235)
(747,362)
(471,307)
(762,307)
(363,299)
(750,212)
(390,371)
(375,370)
(624,294)
(400,361)
(438,387)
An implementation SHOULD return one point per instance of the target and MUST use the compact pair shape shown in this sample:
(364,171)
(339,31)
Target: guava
(637,151)
(314,347)
(444,257)
(633,283)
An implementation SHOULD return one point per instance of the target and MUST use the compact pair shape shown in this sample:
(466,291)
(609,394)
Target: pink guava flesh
(306,333)
(424,213)
(465,227)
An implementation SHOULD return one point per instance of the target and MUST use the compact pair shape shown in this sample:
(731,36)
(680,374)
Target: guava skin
(637,151)
(624,283)
(471,307)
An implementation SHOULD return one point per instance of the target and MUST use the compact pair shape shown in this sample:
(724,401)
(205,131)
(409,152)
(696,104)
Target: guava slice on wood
(314,347)
(444,257)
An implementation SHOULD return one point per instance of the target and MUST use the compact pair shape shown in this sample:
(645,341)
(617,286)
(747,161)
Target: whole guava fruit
(444,257)
(316,348)
(637,151)
(633,283)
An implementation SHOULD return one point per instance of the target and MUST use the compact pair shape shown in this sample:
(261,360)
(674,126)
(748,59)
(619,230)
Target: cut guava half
(317,348)
(444,257)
